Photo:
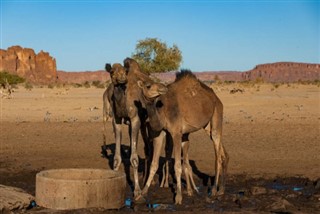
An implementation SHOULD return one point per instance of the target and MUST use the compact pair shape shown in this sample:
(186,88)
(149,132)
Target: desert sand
(271,133)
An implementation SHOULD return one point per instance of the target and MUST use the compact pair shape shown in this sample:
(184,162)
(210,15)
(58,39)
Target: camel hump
(185,73)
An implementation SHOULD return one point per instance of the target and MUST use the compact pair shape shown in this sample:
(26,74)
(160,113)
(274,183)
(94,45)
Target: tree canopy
(155,56)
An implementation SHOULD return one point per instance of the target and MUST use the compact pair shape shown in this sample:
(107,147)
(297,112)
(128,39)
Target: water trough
(64,189)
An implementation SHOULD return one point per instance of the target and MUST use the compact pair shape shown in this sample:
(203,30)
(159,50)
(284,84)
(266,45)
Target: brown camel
(136,112)
(114,106)
(185,106)
(122,100)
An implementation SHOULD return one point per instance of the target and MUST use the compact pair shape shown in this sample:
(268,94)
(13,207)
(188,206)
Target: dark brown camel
(185,106)
(114,105)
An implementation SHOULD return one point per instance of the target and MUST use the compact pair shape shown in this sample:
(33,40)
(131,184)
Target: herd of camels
(163,114)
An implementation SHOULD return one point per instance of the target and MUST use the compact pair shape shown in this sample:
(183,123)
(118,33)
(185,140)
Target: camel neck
(153,114)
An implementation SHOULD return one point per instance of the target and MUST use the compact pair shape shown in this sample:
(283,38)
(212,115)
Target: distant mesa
(36,68)
(41,68)
(284,72)
(278,72)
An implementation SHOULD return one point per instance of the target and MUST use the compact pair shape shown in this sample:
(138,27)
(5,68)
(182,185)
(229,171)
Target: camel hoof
(116,165)
(140,199)
(178,199)
(214,193)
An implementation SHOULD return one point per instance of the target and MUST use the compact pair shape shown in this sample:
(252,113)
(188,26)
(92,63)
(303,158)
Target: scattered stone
(281,205)
(47,117)
(236,90)
(12,198)
(93,108)
(258,190)
(317,184)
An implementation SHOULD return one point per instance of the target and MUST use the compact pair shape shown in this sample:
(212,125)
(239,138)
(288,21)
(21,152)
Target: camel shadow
(108,152)
(205,178)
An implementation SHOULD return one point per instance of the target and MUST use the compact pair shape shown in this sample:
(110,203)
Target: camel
(122,100)
(137,114)
(114,106)
(183,107)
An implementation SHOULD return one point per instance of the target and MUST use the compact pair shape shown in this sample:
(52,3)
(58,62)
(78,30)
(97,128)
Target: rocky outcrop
(279,72)
(36,68)
(283,72)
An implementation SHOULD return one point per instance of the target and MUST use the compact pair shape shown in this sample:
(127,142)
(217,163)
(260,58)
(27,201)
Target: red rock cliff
(284,72)
(37,68)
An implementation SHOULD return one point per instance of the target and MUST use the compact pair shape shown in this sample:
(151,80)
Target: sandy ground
(269,132)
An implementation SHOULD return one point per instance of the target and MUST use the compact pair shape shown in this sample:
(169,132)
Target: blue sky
(212,35)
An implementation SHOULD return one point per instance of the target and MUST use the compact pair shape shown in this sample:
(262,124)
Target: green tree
(155,56)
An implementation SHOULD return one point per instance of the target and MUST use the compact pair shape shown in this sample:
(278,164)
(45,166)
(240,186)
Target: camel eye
(148,86)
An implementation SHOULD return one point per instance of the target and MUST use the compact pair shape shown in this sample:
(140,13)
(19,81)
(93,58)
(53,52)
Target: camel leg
(165,170)
(105,119)
(157,145)
(116,122)
(177,166)
(222,157)
(134,159)
(165,177)
(187,168)
(106,115)
(144,129)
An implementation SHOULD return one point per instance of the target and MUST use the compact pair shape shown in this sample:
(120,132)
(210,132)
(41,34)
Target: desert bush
(86,84)
(28,86)
(317,83)
(76,85)
(10,78)
(228,82)
(259,80)
(51,86)
(98,84)
(276,85)
(247,83)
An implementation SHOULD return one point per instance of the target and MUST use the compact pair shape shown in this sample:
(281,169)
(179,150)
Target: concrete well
(64,189)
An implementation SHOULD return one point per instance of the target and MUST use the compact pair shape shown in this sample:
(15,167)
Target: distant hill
(41,68)
(271,72)
(284,72)
(81,77)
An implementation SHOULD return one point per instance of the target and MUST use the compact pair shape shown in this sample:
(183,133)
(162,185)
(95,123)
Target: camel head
(152,90)
(118,73)
(131,63)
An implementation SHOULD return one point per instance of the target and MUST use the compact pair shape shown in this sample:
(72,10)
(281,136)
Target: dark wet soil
(243,194)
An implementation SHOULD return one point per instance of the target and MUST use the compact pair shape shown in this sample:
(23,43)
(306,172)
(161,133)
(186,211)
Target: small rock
(281,205)
(317,184)
(12,198)
(258,190)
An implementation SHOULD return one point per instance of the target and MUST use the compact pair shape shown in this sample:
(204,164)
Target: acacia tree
(154,56)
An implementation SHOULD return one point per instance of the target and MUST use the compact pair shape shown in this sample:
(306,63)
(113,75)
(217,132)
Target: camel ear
(126,62)
(140,84)
(108,67)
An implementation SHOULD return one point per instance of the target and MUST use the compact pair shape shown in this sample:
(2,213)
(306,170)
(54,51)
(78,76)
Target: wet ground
(243,194)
